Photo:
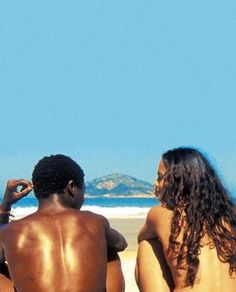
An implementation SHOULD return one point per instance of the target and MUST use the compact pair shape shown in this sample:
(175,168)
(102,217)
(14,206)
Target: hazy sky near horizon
(114,84)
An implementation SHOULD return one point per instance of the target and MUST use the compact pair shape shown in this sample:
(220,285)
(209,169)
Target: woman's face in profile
(159,183)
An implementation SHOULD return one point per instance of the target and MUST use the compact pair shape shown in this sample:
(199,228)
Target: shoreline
(119,212)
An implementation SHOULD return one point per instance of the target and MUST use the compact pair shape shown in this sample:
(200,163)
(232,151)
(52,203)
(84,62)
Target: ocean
(131,207)
(109,207)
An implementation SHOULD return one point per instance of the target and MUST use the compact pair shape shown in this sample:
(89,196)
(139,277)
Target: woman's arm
(148,231)
(157,225)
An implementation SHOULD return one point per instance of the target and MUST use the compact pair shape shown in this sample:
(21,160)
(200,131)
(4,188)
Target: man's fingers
(13,184)
(24,192)
(27,190)
(22,182)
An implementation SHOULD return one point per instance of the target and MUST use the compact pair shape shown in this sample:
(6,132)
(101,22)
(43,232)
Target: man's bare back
(57,252)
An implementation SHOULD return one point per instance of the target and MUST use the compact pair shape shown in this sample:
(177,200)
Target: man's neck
(53,203)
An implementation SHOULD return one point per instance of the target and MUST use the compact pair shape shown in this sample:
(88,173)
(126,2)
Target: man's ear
(71,188)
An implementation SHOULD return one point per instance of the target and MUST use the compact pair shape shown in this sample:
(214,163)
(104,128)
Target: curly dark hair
(52,173)
(193,190)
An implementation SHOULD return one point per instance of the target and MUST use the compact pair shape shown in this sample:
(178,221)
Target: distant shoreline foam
(109,207)
(109,212)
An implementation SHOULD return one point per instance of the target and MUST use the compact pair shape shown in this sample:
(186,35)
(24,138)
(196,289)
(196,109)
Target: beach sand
(129,227)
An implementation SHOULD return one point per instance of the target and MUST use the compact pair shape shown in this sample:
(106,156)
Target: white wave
(118,212)
(113,212)
(23,211)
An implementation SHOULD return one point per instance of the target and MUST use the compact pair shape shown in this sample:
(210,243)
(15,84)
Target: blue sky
(114,84)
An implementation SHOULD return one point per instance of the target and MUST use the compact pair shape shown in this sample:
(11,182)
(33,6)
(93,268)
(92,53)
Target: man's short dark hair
(52,174)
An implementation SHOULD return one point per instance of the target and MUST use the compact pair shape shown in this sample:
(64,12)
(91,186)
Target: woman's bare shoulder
(160,212)
(160,219)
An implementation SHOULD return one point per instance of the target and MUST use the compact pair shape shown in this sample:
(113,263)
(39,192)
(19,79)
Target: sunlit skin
(159,182)
(5,284)
(213,275)
(59,248)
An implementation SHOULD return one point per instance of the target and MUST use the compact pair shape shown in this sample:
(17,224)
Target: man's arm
(6,285)
(114,238)
(12,195)
(2,255)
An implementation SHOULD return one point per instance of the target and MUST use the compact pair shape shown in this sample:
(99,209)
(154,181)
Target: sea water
(110,207)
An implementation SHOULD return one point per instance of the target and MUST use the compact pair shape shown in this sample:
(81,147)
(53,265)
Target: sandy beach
(129,227)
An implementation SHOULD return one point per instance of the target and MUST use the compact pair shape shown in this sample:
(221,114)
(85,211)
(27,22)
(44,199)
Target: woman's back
(195,224)
(212,276)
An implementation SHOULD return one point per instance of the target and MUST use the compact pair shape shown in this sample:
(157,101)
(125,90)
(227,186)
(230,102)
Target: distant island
(118,186)
(121,186)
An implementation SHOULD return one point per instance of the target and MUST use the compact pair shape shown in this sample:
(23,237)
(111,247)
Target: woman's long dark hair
(194,192)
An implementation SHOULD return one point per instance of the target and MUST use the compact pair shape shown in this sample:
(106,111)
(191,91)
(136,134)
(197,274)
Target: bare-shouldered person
(59,248)
(194,229)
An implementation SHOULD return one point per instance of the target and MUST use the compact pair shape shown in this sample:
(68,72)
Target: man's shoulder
(89,218)
(16,223)
(89,213)
(9,227)
(92,215)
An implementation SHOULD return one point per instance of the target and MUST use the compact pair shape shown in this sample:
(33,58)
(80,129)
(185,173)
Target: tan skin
(59,248)
(213,274)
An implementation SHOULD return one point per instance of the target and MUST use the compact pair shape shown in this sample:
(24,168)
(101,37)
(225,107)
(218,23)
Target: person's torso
(61,252)
(213,274)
